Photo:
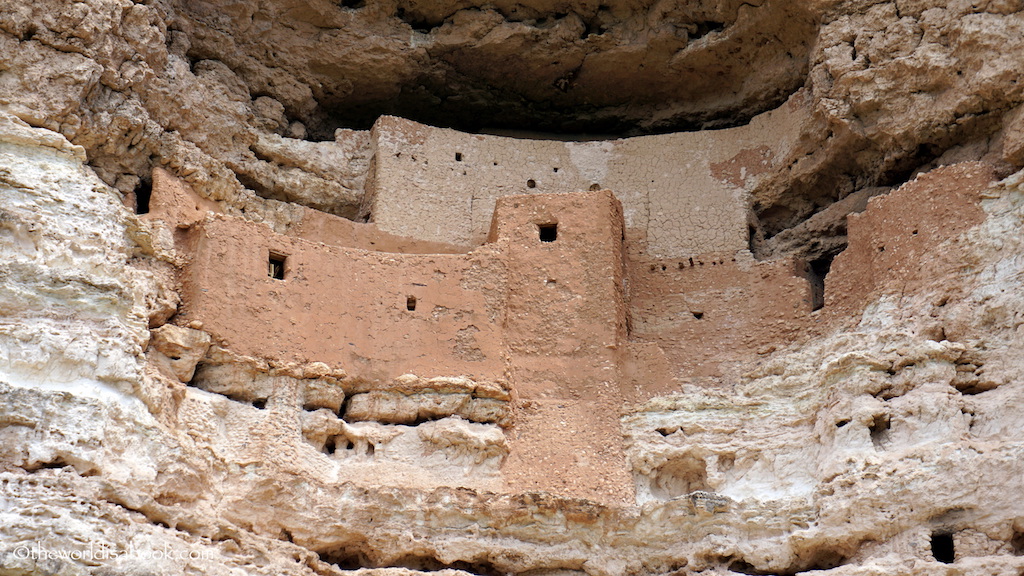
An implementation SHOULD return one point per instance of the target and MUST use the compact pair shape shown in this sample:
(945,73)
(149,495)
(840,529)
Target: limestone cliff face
(878,433)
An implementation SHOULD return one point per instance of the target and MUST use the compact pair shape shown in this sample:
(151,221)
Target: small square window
(548,232)
(410,303)
(275,268)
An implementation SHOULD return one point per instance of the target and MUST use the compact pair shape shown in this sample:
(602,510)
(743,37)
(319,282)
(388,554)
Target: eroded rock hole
(942,547)
(275,265)
(548,232)
(353,4)
(143,194)
(531,183)
(701,29)
(1017,543)
(680,477)
(259,404)
(879,429)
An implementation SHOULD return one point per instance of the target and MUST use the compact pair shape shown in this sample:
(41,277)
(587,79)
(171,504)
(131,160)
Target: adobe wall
(344,306)
(565,294)
(349,306)
(898,234)
(683,194)
(711,313)
(565,334)
(545,313)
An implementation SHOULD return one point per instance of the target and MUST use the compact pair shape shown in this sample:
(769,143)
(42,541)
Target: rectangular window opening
(548,232)
(410,303)
(276,266)
(942,547)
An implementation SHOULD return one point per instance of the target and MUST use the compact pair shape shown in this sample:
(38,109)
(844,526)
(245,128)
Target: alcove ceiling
(617,67)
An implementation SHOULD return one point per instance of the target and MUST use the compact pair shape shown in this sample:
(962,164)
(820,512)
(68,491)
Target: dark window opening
(942,547)
(410,303)
(548,232)
(353,4)
(143,194)
(816,271)
(276,266)
(531,183)
(698,315)
(458,156)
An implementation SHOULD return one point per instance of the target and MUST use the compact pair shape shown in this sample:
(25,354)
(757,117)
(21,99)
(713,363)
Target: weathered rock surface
(886,440)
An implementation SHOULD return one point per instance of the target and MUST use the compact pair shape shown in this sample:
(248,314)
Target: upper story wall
(565,268)
(682,194)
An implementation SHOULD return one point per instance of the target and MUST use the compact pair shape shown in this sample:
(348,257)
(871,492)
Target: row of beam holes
(531,183)
(683,265)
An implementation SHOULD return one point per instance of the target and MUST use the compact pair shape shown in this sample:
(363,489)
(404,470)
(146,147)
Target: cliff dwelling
(391,288)
(562,308)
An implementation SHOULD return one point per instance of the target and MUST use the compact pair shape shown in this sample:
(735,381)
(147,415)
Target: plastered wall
(382,314)
(682,194)
(347,307)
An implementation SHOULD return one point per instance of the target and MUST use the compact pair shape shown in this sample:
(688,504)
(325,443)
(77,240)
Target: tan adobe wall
(343,306)
(899,233)
(682,194)
(709,314)
(349,306)
(565,334)
(565,295)
(317,226)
